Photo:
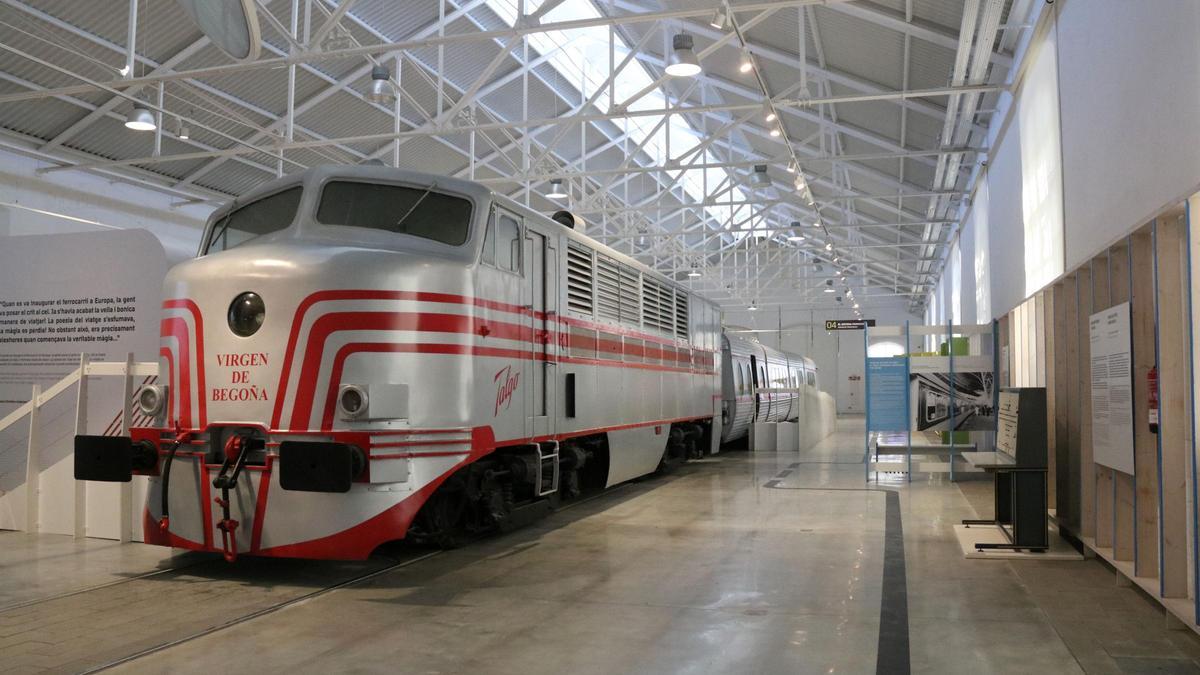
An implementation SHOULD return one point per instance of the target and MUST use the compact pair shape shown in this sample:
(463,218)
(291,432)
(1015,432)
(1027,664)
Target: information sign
(1112,388)
(848,324)
(887,394)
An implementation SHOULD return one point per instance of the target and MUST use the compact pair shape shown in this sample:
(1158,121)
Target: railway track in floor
(188,602)
(271,609)
(108,584)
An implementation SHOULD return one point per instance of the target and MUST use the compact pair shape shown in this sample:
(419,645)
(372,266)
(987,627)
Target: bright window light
(581,56)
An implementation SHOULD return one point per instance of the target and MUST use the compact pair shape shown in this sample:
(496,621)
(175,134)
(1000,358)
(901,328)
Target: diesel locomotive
(361,354)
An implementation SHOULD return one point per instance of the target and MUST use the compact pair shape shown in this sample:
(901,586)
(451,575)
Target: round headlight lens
(246,314)
(353,401)
(150,400)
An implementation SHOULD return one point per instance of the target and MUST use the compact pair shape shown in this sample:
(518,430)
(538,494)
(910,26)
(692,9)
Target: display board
(1112,388)
(1006,429)
(61,295)
(956,395)
(887,382)
(1021,431)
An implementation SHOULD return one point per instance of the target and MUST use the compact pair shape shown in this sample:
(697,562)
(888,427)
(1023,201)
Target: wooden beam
(1175,421)
(1083,399)
(1066,414)
(1071,387)
(1124,502)
(1145,444)
(1047,308)
(1105,486)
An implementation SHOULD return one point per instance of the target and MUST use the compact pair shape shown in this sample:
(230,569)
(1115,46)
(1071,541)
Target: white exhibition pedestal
(763,436)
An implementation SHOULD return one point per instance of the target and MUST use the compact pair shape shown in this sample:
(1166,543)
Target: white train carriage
(360,354)
(747,367)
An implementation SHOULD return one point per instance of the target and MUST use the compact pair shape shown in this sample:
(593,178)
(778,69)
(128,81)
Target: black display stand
(1018,470)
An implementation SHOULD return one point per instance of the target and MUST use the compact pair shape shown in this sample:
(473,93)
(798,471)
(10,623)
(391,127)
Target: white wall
(1006,234)
(1129,77)
(75,201)
(1041,166)
(838,354)
(978,229)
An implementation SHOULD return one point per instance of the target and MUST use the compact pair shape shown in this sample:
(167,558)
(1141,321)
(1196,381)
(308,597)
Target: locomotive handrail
(41,398)
(32,409)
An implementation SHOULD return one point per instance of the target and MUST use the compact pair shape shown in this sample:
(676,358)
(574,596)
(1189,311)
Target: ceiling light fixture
(769,113)
(828,247)
(720,20)
(140,119)
(683,61)
(775,132)
(181,129)
(760,177)
(747,64)
(381,89)
(556,189)
(753,306)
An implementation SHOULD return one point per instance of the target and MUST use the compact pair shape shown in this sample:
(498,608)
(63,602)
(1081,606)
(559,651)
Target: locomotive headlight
(246,314)
(352,401)
(151,399)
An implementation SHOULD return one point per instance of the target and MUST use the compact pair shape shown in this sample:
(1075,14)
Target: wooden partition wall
(1142,523)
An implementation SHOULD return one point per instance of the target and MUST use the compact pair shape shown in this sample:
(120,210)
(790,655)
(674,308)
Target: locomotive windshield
(269,214)
(415,211)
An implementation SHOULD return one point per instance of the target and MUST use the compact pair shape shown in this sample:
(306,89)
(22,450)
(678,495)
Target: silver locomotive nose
(259,328)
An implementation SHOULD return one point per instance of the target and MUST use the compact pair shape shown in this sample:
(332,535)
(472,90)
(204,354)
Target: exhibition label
(1112,388)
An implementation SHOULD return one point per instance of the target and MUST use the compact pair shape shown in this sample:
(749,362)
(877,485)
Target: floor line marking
(892,654)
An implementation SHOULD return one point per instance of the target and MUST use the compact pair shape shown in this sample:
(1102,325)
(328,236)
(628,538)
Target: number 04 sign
(848,324)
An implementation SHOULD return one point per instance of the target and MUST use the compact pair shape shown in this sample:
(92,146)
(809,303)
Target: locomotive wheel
(672,457)
(442,517)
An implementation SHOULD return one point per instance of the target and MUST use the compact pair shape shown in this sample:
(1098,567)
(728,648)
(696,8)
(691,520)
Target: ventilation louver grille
(681,314)
(630,294)
(608,289)
(579,280)
(658,306)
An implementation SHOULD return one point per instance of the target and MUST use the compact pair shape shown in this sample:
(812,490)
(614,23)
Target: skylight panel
(580,55)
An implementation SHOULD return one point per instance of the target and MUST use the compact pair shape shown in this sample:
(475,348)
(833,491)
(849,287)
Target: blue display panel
(887,394)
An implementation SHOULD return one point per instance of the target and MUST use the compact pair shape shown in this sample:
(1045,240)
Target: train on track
(360,354)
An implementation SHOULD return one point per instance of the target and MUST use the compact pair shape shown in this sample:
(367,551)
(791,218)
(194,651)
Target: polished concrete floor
(743,563)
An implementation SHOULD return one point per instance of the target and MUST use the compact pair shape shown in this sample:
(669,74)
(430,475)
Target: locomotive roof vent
(568,219)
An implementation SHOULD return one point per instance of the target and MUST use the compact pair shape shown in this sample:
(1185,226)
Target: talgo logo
(506,385)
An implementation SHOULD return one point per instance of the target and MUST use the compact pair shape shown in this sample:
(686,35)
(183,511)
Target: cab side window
(508,244)
(489,243)
(502,243)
